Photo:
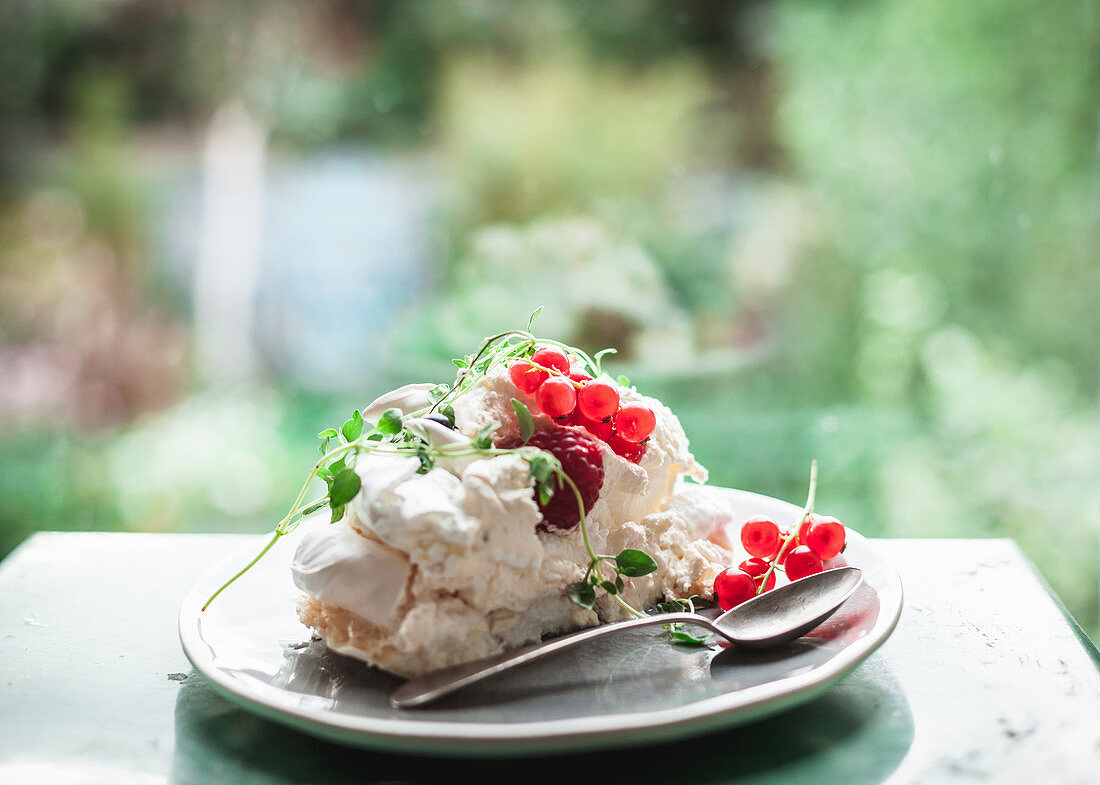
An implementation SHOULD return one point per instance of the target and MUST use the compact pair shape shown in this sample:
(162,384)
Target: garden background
(862,232)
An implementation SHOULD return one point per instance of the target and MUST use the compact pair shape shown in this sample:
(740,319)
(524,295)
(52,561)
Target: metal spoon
(769,619)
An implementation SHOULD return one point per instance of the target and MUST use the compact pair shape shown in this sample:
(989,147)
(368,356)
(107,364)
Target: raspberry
(580,457)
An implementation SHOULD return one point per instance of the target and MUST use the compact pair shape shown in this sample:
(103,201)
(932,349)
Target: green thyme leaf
(352,428)
(293,520)
(634,563)
(545,472)
(389,435)
(623,381)
(390,422)
(521,350)
(542,467)
(345,484)
(484,438)
(582,594)
(427,461)
(598,357)
(534,315)
(679,634)
(526,422)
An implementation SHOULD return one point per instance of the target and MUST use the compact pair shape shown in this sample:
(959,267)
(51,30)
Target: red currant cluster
(799,551)
(575,398)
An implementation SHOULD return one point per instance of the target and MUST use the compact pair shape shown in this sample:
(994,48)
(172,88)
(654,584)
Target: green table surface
(985,679)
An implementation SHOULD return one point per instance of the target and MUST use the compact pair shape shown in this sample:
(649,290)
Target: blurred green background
(862,232)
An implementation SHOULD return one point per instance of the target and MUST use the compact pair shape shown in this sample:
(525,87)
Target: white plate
(618,691)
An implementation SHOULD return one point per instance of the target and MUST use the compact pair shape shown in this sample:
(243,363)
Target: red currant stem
(792,532)
(555,372)
(551,370)
(812,492)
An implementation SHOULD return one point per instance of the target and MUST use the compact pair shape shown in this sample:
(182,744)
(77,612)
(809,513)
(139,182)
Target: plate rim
(509,739)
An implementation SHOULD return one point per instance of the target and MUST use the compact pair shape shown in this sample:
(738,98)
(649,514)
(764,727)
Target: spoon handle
(427,688)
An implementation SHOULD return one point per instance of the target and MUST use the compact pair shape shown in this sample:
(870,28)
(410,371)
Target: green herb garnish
(339,449)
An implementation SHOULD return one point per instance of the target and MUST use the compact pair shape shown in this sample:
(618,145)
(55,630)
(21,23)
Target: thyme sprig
(678,631)
(392,435)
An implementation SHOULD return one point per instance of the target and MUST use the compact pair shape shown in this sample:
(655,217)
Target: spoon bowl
(769,619)
(790,611)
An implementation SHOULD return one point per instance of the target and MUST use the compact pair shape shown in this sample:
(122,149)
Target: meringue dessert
(534,496)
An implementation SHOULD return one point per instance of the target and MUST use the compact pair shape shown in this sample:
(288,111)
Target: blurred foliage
(578,140)
(861,232)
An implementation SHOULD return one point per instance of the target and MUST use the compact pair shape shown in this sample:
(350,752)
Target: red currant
(825,537)
(526,376)
(580,377)
(598,400)
(632,451)
(758,568)
(802,562)
(760,536)
(804,528)
(635,423)
(568,419)
(598,428)
(556,397)
(552,358)
(732,587)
